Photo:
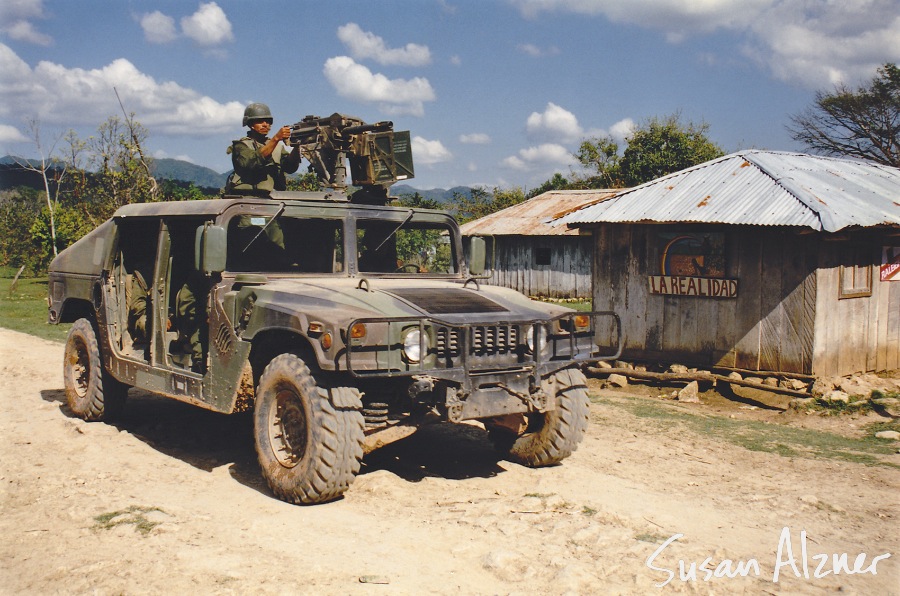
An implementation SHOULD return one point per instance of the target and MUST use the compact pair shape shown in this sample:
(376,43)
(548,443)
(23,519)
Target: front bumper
(476,354)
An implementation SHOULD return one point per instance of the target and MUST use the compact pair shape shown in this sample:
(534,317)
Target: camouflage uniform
(138,305)
(254,174)
(191,318)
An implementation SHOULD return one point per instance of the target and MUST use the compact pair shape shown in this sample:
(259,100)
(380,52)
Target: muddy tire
(555,435)
(91,392)
(309,440)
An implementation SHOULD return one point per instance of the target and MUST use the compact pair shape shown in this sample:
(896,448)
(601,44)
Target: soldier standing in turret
(260,163)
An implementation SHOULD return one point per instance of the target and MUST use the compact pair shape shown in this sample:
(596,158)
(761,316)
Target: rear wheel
(91,392)
(309,440)
(552,436)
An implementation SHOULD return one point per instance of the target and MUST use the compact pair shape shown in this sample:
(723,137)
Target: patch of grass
(134,515)
(573,303)
(651,537)
(588,511)
(761,436)
(25,308)
(539,495)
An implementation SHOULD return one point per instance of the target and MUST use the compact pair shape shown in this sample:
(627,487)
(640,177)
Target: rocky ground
(169,500)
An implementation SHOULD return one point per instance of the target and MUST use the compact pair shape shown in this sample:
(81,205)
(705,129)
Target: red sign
(890,263)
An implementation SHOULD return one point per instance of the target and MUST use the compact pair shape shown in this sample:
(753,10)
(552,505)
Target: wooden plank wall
(567,276)
(769,326)
(855,335)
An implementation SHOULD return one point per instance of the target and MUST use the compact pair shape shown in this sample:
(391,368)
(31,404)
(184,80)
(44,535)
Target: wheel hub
(288,430)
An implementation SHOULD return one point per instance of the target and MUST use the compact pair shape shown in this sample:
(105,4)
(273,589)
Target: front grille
(484,340)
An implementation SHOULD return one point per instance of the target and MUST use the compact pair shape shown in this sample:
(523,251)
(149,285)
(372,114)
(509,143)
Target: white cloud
(209,26)
(816,44)
(429,152)
(622,129)
(394,96)
(16,17)
(158,28)
(11,134)
(55,94)
(366,45)
(476,138)
(537,52)
(824,44)
(555,123)
(676,17)
(547,154)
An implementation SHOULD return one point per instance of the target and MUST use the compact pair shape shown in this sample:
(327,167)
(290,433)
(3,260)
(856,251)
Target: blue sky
(495,93)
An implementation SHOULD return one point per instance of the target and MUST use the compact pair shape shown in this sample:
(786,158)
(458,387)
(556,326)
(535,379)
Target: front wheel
(552,436)
(309,442)
(91,392)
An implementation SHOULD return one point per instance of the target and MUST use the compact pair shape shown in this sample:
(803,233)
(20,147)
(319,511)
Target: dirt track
(169,500)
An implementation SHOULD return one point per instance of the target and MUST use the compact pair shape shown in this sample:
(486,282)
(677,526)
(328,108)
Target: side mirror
(210,249)
(478,257)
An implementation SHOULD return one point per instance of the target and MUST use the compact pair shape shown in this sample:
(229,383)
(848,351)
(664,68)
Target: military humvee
(341,322)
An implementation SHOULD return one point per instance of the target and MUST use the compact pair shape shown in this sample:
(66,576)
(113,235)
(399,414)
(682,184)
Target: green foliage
(602,156)
(19,209)
(417,201)
(664,146)
(862,123)
(557,182)
(482,202)
(75,200)
(307,182)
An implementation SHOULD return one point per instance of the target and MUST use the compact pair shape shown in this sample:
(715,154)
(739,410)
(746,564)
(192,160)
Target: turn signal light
(358,331)
(582,321)
(326,341)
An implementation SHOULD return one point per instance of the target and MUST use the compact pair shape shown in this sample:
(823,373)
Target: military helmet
(257,111)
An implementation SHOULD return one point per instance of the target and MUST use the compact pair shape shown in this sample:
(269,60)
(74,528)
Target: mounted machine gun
(378,155)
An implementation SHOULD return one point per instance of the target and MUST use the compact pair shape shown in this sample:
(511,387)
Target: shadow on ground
(208,440)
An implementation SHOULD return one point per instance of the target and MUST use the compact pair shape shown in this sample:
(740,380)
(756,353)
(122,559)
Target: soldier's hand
(283,133)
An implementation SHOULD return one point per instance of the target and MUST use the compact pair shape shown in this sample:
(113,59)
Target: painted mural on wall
(693,264)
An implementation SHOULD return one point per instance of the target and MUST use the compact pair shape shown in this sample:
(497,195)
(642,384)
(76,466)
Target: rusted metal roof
(538,216)
(769,188)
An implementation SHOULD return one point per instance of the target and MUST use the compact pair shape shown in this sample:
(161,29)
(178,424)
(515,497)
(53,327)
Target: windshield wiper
(397,229)
(268,223)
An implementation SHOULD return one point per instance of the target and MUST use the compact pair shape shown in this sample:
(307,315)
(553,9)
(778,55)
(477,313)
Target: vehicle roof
(210,208)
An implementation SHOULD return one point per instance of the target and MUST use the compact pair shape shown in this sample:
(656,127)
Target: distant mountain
(436,194)
(12,175)
(185,171)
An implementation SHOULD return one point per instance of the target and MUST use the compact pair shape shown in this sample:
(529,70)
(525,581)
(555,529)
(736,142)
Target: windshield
(285,244)
(406,246)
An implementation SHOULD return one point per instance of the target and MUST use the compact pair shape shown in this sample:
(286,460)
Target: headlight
(412,345)
(535,330)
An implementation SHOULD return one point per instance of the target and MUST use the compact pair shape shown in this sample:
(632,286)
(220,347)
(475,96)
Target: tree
(663,146)
(481,202)
(557,182)
(658,147)
(51,169)
(864,123)
(600,155)
(122,172)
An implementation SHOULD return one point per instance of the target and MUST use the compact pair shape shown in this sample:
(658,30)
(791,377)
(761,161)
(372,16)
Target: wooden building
(534,255)
(761,261)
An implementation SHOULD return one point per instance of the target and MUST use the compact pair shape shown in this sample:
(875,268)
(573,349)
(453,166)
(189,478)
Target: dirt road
(169,500)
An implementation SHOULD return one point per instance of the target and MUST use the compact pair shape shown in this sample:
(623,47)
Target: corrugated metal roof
(771,188)
(537,216)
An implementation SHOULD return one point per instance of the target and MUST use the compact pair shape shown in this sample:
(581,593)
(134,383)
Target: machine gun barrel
(376,127)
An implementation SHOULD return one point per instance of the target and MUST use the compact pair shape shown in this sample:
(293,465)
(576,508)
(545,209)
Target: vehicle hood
(448,301)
